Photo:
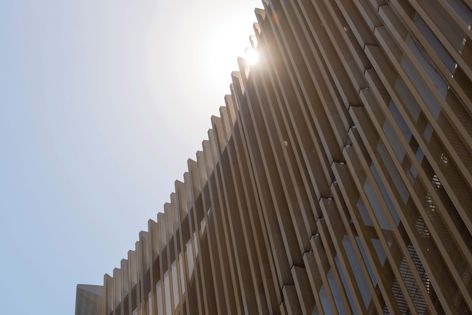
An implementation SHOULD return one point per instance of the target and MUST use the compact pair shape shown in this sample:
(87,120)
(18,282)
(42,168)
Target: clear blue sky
(101,104)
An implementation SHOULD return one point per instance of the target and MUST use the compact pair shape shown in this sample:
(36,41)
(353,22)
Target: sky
(101,104)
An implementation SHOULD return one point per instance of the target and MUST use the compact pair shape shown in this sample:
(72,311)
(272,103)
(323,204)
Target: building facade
(89,299)
(337,178)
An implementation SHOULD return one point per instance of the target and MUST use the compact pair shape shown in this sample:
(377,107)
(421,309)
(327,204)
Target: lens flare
(251,56)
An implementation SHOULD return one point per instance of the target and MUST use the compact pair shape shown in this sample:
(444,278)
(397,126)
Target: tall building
(337,179)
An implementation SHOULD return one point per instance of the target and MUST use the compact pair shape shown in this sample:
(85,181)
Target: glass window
(167,293)
(189,258)
(375,205)
(150,302)
(435,44)
(366,261)
(159,298)
(421,87)
(335,291)
(117,290)
(195,244)
(125,277)
(407,99)
(344,280)
(175,284)
(182,273)
(390,167)
(394,142)
(392,107)
(461,10)
(426,63)
(325,301)
(379,250)
(363,212)
(202,226)
(385,195)
(356,270)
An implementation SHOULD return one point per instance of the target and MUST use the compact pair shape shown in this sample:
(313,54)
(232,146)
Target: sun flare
(223,45)
(251,56)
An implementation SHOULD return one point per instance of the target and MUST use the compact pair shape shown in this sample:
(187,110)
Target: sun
(251,56)
(222,46)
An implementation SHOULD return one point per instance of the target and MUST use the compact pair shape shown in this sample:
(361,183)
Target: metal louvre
(337,179)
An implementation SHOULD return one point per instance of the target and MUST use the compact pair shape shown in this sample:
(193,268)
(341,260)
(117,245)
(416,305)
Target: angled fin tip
(260,12)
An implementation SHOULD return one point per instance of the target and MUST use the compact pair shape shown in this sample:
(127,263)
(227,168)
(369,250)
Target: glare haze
(101,104)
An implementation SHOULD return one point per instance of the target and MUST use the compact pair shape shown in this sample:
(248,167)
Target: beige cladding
(337,179)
